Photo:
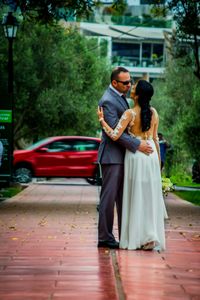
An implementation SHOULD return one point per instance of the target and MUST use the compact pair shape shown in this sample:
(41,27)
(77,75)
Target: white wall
(133,2)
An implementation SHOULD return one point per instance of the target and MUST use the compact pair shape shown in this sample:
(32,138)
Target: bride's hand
(100,113)
(145,148)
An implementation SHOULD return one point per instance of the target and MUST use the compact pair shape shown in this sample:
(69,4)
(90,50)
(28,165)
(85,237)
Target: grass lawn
(191,196)
(186,181)
(189,184)
(9,192)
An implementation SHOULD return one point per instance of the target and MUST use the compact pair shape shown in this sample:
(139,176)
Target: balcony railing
(137,62)
(126,21)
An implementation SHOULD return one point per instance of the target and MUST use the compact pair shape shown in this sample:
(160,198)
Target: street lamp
(10,25)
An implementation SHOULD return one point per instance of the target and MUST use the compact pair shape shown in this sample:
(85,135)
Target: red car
(60,156)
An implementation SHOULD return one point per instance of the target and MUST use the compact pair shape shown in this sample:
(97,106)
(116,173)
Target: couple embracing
(130,163)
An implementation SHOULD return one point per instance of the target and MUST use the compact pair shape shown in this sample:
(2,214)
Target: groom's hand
(145,148)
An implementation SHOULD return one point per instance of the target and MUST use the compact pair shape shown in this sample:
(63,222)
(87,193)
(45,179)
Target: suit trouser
(111,193)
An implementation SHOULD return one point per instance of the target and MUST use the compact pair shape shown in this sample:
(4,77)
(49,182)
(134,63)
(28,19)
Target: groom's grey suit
(111,157)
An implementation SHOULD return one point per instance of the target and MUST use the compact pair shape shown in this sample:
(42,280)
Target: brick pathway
(48,251)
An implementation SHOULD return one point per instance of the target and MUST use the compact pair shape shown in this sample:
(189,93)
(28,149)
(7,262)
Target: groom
(111,157)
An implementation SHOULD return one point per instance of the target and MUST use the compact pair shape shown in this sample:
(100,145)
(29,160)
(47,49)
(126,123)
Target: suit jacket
(112,152)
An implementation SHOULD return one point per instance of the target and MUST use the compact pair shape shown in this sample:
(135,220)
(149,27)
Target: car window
(72,145)
(84,145)
(59,146)
(37,144)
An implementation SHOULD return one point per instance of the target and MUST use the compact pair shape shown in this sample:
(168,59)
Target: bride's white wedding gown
(143,211)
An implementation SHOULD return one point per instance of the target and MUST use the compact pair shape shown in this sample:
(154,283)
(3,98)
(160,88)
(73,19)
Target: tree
(187,17)
(191,124)
(59,78)
(177,101)
(50,10)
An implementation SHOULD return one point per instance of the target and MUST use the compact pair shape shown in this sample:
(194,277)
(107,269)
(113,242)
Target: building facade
(141,50)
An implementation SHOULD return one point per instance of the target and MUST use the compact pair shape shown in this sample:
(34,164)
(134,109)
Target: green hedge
(191,196)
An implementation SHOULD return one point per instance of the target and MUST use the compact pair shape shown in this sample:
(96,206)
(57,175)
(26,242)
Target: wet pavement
(48,238)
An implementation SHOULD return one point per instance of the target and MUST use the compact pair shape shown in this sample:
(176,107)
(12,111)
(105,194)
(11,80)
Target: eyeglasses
(125,82)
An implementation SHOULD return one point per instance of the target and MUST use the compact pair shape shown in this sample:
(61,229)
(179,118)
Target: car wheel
(96,180)
(91,181)
(23,175)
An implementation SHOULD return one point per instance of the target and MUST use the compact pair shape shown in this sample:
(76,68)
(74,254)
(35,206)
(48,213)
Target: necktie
(124,98)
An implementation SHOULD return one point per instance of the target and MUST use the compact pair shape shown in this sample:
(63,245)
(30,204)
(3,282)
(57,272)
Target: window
(151,1)
(158,50)
(146,50)
(72,145)
(126,53)
(126,49)
(60,146)
(82,145)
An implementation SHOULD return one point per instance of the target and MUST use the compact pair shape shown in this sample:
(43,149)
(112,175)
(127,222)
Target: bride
(143,211)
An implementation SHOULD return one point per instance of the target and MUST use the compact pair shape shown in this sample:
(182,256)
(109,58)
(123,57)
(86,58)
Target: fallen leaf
(196,237)
(73,226)
(12,228)
(182,233)
(42,223)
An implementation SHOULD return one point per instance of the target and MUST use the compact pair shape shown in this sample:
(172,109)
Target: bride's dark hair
(144,91)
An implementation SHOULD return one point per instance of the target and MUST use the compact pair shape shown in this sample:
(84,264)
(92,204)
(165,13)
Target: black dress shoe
(108,244)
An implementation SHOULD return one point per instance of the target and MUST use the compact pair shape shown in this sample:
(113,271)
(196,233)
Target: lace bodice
(132,121)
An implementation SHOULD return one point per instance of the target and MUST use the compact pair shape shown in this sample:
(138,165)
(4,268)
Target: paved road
(48,250)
